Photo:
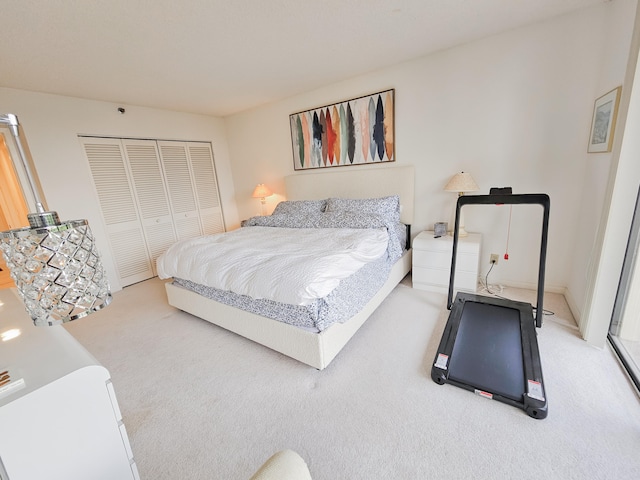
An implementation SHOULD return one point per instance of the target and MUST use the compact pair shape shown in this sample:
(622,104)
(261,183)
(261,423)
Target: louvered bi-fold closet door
(206,186)
(151,196)
(182,196)
(119,210)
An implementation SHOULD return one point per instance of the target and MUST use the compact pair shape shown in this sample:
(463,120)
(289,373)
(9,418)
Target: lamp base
(461,231)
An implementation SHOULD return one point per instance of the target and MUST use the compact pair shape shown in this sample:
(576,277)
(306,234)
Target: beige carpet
(202,403)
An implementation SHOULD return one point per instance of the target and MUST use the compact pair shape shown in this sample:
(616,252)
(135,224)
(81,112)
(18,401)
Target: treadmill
(489,344)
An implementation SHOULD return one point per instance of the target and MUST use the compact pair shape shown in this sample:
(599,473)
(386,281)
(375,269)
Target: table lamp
(55,265)
(261,192)
(461,183)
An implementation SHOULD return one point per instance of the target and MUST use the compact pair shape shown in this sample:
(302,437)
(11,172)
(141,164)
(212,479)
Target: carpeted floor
(202,403)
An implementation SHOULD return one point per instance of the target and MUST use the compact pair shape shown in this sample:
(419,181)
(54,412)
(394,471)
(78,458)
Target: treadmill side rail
(541,199)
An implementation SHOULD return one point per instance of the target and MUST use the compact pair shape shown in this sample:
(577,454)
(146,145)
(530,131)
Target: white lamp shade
(462,182)
(261,191)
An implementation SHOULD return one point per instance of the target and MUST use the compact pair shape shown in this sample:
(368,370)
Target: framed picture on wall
(603,124)
(353,132)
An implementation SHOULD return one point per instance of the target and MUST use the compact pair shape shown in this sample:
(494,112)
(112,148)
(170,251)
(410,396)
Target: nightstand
(432,262)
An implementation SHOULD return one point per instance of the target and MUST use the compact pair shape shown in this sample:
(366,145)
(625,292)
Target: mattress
(288,265)
(342,303)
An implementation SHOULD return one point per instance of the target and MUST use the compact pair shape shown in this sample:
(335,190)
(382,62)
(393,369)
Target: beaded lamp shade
(55,265)
(57,271)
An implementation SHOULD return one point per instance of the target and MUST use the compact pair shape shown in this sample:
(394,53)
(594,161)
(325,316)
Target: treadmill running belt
(487,351)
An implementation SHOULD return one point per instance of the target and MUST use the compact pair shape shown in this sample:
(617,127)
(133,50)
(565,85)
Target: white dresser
(59,417)
(432,262)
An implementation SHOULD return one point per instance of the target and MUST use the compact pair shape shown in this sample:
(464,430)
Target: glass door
(624,331)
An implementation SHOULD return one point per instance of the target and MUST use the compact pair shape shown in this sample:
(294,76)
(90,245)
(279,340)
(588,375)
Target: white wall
(52,124)
(620,198)
(513,110)
(616,41)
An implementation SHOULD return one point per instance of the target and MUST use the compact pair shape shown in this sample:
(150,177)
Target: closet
(152,194)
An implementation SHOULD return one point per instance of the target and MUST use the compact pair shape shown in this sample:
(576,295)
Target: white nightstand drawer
(464,261)
(426,241)
(438,280)
(432,262)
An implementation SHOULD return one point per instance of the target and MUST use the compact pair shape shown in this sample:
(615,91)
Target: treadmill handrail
(506,199)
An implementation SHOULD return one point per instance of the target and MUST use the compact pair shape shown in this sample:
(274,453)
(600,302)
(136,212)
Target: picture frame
(358,131)
(603,123)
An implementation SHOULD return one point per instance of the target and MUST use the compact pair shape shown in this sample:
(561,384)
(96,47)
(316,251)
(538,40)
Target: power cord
(487,288)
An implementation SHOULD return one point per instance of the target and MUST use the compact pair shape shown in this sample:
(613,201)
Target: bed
(314,348)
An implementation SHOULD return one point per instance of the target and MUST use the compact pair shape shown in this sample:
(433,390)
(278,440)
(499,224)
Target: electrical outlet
(494,258)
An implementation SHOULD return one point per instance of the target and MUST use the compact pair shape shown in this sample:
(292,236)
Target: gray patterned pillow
(386,207)
(293,220)
(297,207)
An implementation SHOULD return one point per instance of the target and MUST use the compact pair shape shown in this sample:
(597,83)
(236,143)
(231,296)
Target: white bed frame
(314,349)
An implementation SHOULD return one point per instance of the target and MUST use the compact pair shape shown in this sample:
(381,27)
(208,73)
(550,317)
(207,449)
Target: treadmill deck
(489,346)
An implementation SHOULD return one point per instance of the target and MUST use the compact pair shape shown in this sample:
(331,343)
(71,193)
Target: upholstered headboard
(356,182)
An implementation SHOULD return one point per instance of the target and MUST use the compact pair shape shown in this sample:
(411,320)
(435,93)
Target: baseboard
(564,291)
(529,286)
(573,306)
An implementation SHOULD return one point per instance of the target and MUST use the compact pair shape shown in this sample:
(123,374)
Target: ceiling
(220,57)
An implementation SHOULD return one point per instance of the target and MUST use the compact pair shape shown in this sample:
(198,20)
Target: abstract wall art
(354,132)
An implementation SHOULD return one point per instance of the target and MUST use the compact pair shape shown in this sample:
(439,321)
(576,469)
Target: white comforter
(288,265)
